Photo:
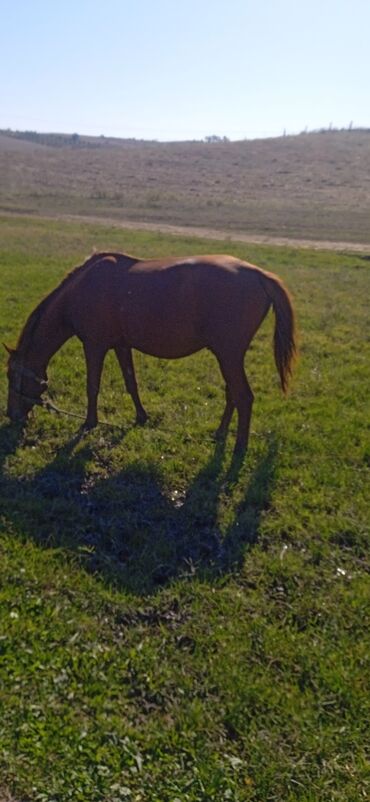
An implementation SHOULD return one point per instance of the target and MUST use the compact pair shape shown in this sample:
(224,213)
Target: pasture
(174,626)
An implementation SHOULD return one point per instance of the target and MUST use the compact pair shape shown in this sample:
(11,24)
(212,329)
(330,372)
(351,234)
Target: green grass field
(174,628)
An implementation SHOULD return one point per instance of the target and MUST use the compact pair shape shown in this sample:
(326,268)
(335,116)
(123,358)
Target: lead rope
(48,404)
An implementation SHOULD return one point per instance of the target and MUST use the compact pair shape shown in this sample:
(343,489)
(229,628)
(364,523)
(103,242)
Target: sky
(173,70)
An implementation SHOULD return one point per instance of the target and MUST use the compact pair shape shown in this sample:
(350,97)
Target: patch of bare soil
(6,796)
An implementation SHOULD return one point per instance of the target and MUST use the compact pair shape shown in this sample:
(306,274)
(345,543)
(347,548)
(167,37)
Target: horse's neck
(48,335)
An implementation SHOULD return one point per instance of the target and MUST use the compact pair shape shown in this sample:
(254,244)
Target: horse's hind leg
(124,356)
(239,394)
(226,417)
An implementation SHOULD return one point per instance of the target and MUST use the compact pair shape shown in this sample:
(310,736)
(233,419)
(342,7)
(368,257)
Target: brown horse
(166,308)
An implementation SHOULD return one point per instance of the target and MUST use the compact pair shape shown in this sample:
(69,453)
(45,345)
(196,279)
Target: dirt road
(209,233)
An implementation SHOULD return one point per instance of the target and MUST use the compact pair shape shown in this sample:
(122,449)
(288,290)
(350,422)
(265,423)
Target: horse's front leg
(94,356)
(124,356)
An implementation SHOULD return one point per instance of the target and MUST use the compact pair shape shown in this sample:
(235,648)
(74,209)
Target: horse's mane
(32,321)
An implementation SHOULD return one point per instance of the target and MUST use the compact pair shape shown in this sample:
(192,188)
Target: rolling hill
(314,186)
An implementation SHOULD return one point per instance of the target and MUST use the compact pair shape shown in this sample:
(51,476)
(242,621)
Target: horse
(167,308)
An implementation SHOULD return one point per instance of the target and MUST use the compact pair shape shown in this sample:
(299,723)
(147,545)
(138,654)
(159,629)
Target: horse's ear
(8,349)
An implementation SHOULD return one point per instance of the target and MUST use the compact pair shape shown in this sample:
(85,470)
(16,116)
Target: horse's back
(179,305)
(169,307)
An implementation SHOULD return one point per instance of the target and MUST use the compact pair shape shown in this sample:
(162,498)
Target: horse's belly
(167,336)
(170,347)
(162,318)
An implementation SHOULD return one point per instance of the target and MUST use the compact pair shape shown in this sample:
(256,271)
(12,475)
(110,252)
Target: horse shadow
(129,529)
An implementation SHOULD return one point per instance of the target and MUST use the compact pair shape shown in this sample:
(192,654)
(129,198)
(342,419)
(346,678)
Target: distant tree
(212,138)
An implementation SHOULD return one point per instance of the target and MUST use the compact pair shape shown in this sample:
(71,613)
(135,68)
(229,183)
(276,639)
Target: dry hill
(312,186)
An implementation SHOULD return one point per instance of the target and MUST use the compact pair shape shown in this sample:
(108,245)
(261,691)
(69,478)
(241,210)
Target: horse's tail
(285,338)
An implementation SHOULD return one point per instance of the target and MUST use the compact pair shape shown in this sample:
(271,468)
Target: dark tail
(285,342)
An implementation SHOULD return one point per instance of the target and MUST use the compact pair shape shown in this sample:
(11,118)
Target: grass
(173,627)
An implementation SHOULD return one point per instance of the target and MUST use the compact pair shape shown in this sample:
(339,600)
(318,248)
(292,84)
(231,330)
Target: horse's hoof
(87,426)
(141,420)
(239,453)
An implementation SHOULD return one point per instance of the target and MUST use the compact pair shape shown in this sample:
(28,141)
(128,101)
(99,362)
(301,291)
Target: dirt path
(217,234)
(256,239)
(209,233)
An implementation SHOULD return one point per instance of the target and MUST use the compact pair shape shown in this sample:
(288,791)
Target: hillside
(312,186)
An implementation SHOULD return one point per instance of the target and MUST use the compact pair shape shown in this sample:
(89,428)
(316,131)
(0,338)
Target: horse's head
(25,387)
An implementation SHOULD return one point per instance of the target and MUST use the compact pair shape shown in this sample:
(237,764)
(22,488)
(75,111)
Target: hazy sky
(183,69)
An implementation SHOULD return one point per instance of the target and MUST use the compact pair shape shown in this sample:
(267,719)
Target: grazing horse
(168,308)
